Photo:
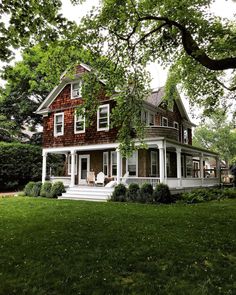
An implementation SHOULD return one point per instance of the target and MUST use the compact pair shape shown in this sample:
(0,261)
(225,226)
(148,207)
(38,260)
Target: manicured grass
(67,247)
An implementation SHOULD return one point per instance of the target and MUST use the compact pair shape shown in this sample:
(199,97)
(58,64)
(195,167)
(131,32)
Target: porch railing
(141,180)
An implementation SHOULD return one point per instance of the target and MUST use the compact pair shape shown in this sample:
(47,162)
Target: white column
(178,160)
(72,180)
(201,168)
(44,168)
(118,166)
(161,163)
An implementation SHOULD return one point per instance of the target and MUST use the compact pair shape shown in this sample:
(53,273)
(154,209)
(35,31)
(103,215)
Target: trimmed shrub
(46,189)
(119,194)
(36,189)
(146,193)
(162,194)
(133,192)
(29,188)
(57,189)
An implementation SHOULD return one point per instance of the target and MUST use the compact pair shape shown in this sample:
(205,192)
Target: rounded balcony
(162,131)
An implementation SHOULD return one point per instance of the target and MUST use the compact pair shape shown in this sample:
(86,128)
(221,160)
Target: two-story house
(169,157)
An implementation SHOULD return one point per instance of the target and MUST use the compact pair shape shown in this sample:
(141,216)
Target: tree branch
(192,49)
(224,86)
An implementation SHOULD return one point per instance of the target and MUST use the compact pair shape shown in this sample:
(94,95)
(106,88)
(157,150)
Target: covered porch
(166,161)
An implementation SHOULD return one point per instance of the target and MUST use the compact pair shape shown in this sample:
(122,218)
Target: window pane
(132,167)
(80,126)
(59,119)
(76,86)
(59,128)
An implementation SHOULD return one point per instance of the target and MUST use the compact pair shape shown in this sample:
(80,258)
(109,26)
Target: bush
(20,163)
(57,189)
(146,193)
(46,189)
(29,188)
(133,192)
(162,194)
(36,189)
(119,194)
(230,193)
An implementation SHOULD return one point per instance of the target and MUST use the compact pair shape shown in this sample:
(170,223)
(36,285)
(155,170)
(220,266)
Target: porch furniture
(100,179)
(91,177)
(124,178)
(111,183)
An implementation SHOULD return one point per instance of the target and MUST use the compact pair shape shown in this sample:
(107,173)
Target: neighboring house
(170,157)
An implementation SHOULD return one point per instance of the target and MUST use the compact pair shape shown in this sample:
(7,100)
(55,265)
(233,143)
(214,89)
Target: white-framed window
(186,135)
(103,115)
(189,166)
(176,125)
(76,89)
(132,164)
(113,163)
(154,163)
(105,163)
(69,164)
(151,119)
(79,123)
(58,124)
(164,121)
(145,117)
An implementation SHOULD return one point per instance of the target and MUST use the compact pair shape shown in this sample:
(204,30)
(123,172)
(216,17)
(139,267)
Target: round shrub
(36,189)
(146,192)
(133,192)
(119,194)
(46,189)
(57,189)
(29,188)
(162,194)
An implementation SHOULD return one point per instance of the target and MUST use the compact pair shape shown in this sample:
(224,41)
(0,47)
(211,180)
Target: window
(151,119)
(58,124)
(105,163)
(176,125)
(153,163)
(186,135)
(76,89)
(168,164)
(132,164)
(113,163)
(79,126)
(189,166)
(164,121)
(69,164)
(103,117)
(145,117)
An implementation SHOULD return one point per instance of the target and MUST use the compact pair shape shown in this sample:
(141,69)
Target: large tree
(199,47)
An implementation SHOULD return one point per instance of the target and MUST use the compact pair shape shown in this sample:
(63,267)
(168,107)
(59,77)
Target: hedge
(19,164)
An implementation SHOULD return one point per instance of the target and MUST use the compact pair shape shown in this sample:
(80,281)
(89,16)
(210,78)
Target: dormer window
(164,122)
(58,124)
(76,89)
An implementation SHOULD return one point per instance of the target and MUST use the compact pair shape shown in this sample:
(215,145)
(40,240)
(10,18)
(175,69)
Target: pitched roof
(156,97)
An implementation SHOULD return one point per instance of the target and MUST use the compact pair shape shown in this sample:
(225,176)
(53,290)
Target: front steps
(87,193)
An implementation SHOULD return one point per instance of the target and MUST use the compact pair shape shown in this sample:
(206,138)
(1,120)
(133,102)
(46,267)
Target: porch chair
(90,177)
(100,179)
(124,178)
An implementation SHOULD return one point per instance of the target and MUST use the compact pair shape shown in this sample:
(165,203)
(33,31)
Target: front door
(84,167)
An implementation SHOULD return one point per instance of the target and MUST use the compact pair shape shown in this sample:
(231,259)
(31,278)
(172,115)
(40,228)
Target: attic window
(76,89)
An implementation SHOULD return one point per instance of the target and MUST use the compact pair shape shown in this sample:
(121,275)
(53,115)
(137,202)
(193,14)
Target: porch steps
(87,193)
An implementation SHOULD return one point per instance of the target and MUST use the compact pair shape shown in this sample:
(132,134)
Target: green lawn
(68,247)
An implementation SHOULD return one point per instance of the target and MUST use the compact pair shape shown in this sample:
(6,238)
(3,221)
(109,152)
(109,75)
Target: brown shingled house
(170,157)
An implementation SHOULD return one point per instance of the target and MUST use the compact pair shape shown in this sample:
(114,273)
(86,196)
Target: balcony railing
(162,131)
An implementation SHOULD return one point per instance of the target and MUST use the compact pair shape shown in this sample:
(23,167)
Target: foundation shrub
(162,194)
(57,189)
(120,193)
(133,192)
(29,188)
(146,193)
(46,189)
(36,189)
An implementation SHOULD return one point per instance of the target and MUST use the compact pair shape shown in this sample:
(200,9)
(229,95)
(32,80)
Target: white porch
(165,161)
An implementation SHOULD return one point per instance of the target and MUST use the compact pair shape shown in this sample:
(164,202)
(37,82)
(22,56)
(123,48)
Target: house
(169,158)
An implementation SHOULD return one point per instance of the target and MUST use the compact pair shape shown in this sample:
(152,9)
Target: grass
(67,247)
